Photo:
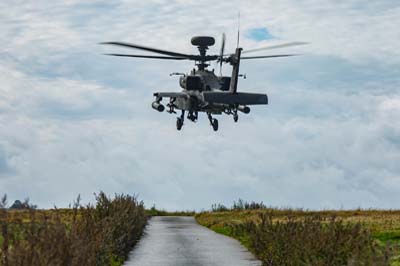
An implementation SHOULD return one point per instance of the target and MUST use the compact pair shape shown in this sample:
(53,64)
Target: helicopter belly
(187,104)
(194,104)
(213,108)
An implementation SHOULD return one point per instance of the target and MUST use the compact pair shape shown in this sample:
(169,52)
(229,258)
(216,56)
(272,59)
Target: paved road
(178,241)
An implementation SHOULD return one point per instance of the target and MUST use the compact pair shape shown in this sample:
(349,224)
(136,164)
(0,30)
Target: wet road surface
(178,241)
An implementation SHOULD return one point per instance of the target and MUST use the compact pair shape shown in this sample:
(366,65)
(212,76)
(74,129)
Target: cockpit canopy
(194,83)
(191,83)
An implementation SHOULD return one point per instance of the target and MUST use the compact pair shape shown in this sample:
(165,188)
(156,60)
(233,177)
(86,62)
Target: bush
(102,234)
(219,208)
(239,205)
(22,205)
(244,205)
(310,241)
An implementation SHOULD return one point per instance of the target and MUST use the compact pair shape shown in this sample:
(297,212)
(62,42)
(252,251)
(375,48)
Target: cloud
(352,30)
(5,166)
(73,121)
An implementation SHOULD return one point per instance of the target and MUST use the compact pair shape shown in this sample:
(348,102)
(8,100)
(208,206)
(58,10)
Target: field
(300,237)
(100,234)
(104,233)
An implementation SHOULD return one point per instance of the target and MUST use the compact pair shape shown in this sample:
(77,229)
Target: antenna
(238,32)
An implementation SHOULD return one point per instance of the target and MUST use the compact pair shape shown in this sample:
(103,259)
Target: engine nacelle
(158,106)
(244,109)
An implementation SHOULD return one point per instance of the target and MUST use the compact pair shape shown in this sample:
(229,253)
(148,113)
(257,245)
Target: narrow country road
(179,241)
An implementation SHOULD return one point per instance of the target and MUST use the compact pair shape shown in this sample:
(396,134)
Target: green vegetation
(100,234)
(300,237)
(388,236)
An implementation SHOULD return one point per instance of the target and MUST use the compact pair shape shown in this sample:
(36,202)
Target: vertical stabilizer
(235,62)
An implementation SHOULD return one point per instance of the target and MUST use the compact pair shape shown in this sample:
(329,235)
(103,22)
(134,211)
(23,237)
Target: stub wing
(240,98)
(171,94)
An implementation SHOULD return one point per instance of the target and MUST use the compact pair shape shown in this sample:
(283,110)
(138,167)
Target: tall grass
(99,234)
(302,237)
(311,241)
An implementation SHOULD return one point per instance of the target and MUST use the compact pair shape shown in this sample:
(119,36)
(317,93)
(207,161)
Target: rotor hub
(202,43)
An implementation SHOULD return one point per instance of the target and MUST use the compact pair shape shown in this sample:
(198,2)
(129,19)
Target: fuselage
(197,82)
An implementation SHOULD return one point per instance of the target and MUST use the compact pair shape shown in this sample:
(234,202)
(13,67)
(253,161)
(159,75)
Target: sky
(73,121)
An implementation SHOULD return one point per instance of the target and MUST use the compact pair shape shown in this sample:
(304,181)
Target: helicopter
(203,90)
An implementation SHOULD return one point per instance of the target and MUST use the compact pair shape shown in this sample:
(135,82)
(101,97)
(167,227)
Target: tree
(18,205)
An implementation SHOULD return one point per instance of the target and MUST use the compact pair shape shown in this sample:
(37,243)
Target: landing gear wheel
(235,117)
(215,124)
(179,123)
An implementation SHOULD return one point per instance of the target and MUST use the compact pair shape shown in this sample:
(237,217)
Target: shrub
(244,205)
(311,241)
(219,208)
(100,234)
(239,205)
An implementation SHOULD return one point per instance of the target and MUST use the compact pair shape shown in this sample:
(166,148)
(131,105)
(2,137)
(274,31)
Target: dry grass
(100,234)
(375,220)
(301,237)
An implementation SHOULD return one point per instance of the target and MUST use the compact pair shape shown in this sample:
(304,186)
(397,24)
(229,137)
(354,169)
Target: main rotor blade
(150,56)
(149,49)
(268,56)
(275,47)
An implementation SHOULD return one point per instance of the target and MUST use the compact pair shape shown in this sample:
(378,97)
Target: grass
(387,236)
(301,237)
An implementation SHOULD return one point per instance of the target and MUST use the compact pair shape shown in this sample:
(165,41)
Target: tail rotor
(221,53)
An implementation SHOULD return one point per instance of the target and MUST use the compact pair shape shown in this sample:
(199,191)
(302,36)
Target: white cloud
(74,122)
(353,30)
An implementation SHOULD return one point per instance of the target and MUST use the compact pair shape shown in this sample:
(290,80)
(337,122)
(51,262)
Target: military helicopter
(203,90)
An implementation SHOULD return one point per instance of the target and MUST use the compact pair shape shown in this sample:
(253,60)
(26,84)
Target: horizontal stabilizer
(241,98)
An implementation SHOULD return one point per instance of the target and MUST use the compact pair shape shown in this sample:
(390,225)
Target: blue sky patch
(260,34)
